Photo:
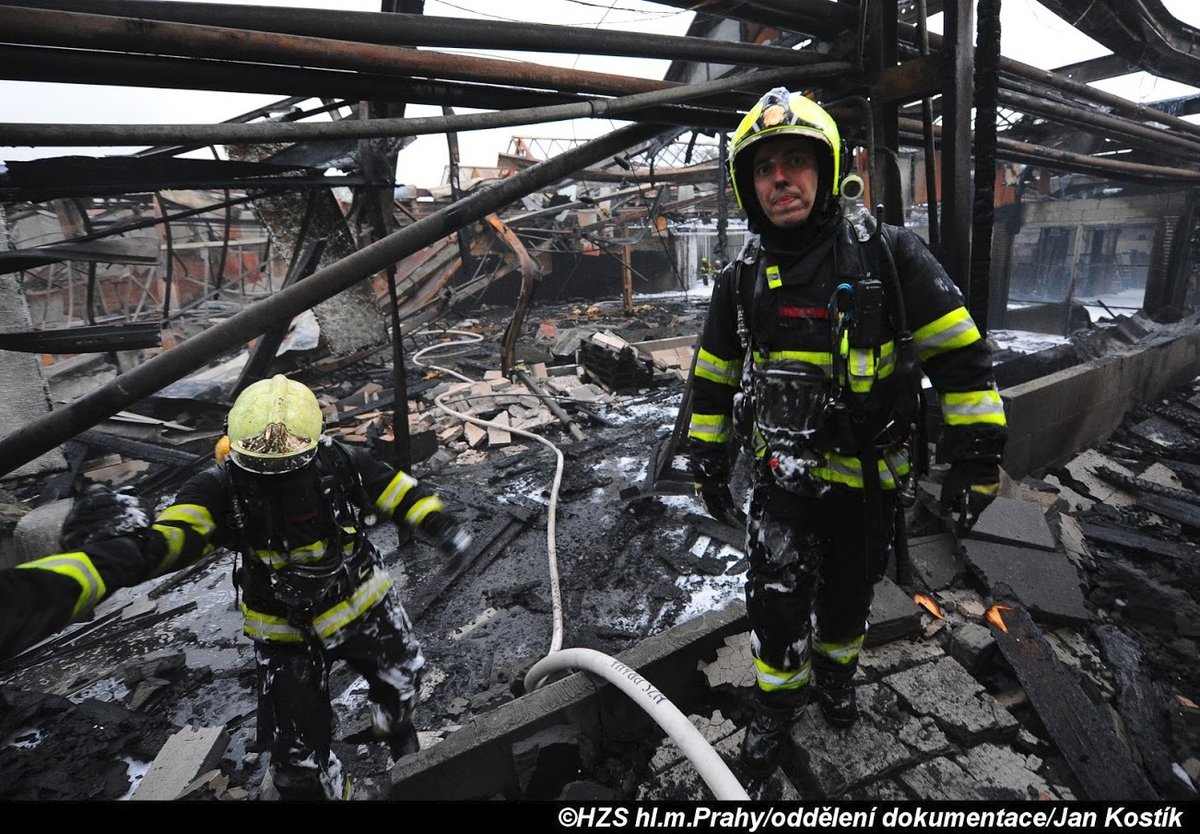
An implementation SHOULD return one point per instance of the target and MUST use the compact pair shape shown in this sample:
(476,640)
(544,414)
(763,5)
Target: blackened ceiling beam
(46,27)
(627,107)
(823,18)
(1142,31)
(81,66)
(85,176)
(430,30)
(1011,150)
(97,338)
(1097,69)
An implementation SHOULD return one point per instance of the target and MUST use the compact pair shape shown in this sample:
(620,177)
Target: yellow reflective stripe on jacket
(308,554)
(973,407)
(864,367)
(822,359)
(841,653)
(77,566)
(193,515)
(259,626)
(175,539)
(394,493)
(771,679)
(715,369)
(847,470)
(710,428)
(953,330)
(360,602)
(271,627)
(422,508)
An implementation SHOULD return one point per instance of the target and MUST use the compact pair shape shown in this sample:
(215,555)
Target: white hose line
(556,637)
(473,338)
(708,763)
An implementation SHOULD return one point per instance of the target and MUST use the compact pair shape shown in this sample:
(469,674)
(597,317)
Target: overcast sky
(1030,34)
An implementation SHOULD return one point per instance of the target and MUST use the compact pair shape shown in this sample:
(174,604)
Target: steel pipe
(1014,151)
(80,66)
(46,27)
(36,134)
(395,29)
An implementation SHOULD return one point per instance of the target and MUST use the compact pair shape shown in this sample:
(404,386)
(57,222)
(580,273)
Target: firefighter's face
(785,180)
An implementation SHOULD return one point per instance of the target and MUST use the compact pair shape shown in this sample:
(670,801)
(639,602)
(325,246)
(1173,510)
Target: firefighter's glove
(99,513)
(709,464)
(450,538)
(970,486)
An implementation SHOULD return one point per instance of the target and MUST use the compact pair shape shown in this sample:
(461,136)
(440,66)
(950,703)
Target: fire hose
(708,763)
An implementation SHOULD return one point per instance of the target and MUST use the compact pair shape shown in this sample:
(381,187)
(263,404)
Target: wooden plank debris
(1141,702)
(1185,513)
(1132,540)
(1084,736)
(486,549)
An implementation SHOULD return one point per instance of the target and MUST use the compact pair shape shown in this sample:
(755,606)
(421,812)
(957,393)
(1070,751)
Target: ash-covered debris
(948,713)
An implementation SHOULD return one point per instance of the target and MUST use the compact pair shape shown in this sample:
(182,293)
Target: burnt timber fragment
(1084,735)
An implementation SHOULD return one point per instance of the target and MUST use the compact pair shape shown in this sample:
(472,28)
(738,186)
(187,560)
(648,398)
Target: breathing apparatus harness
(800,412)
(344,504)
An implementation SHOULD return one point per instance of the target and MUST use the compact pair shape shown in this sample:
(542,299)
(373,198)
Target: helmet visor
(273,451)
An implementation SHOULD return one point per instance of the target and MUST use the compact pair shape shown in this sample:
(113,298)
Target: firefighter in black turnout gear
(295,505)
(811,360)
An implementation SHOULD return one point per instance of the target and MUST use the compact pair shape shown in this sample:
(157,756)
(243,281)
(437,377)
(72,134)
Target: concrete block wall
(1053,418)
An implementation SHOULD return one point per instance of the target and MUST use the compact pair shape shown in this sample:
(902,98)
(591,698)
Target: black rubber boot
(404,741)
(765,738)
(838,704)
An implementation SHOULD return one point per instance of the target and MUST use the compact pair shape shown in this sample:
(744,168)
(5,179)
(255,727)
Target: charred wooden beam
(93,338)
(1131,540)
(1083,734)
(1185,512)
(149,452)
(530,271)
(1150,487)
(487,550)
(555,408)
(1142,702)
